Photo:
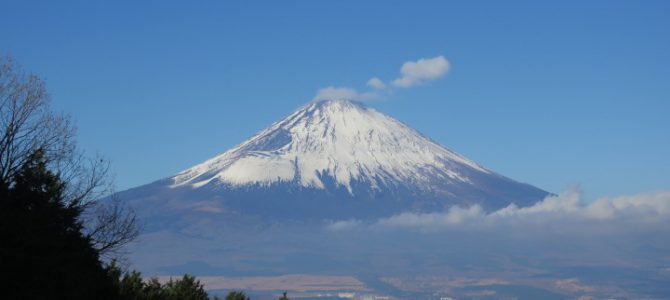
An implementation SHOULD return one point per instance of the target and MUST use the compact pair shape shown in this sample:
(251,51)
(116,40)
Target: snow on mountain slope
(343,139)
(331,159)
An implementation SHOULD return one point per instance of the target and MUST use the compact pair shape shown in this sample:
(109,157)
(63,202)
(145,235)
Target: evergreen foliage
(46,251)
(131,286)
(237,295)
(187,288)
(43,252)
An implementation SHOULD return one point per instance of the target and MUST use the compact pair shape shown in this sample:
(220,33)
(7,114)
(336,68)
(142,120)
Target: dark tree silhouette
(283,297)
(132,286)
(187,288)
(28,125)
(53,232)
(237,295)
(44,253)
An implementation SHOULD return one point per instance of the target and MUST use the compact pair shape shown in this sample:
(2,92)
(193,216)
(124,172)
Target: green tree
(44,252)
(283,297)
(28,125)
(132,287)
(186,288)
(53,232)
(237,295)
(153,290)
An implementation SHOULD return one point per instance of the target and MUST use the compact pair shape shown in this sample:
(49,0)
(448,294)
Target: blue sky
(546,93)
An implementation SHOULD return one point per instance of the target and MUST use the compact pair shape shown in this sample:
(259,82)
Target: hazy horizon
(476,150)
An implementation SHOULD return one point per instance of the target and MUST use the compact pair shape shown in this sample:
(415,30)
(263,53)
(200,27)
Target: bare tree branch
(27,124)
(112,226)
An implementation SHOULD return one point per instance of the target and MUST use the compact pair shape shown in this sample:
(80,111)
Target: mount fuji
(331,159)
(322,192)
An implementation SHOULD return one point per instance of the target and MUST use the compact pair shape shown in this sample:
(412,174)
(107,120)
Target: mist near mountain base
(607,247)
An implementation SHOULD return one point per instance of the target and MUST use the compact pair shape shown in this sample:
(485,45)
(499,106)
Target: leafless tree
(112,226)
(27,124)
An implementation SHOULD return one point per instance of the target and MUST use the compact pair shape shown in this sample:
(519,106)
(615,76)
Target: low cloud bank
(565,210)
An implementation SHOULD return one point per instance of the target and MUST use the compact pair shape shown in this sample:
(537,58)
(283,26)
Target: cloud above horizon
(566,211)
(334,93)
(376,83)
(422,71)
(412,73)
(591,248)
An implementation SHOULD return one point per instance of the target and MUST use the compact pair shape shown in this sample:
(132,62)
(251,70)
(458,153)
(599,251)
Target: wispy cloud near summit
(376,83)
(422,71)
(335,93)
(412,73)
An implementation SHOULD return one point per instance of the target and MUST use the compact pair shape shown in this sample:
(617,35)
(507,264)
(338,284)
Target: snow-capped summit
(340,157)
(339,138)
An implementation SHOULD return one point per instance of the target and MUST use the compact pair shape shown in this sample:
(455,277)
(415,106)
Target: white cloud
(337,93)
(649,207)
(567,202)
(421,71)
(413,73)
(573,285)
(376,83)
(564,211)
(343,225)
(455,215)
